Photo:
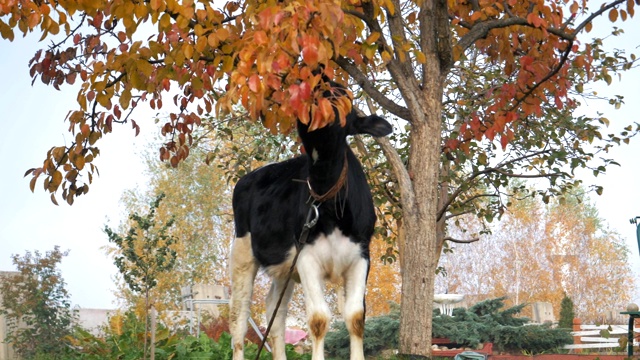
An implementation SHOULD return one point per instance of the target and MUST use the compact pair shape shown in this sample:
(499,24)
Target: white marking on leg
(355,287)
(243,267)
(328,257)
(318,313)
(279,324)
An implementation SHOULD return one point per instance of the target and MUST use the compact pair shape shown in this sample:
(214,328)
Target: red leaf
(135,126)
(504,142)
(254,83)
(490,134)
(310,47)
(295,100)
(326,110)
(305,91)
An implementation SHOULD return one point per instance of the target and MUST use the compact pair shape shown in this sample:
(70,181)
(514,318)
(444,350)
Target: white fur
(244,268)
(333,257)
(279,324)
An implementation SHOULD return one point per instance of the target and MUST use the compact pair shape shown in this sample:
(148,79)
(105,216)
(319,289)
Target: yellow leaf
(187,50)
(56,179)
(420,57)
(6,31)
(212,39)
(141,11)
(588,26)
(222,34)
(390,6)
(125,98)
(613,15)
(372,38)
(32,183)
(94,137)
(201,44)
(386,56)
(103,99)
(165,21)
(155,4)
(79,162)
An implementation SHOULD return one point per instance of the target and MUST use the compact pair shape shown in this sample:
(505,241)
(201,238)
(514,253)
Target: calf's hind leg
(279,323)
(244,268)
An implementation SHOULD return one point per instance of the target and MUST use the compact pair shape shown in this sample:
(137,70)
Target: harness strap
(312,220)
(331,193)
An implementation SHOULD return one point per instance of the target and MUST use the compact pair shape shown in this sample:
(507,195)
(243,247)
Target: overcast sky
(31,122)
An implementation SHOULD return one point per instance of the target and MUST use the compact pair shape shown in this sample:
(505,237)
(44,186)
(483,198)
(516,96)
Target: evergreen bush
(566,313)
(486,322)
(483,322)
(380,333)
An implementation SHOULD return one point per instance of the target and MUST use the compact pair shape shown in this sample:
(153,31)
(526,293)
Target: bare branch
(457,241)
(467,202)
(368,87)
(522,176)
(363,149)
(458,214)
(407,196)
(480,30)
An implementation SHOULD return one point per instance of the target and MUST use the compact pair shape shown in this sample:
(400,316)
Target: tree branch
(407,195)
(457,241)
(480,30)
(468,201)
(460,189)
(372,91)
(401,72)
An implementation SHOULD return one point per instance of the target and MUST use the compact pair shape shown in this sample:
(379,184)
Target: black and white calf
(270,207)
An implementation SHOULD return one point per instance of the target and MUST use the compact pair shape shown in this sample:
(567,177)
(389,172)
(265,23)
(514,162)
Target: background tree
(409,58)
(543,253)
(566,313)
(36,305)
(144,253)
(196,199)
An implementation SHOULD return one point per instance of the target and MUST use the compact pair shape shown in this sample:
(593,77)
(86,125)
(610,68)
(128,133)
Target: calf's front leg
(244,268)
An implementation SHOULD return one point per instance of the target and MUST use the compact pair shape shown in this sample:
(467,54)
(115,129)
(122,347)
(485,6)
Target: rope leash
(311,221)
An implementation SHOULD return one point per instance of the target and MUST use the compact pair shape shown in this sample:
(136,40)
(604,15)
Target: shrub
(566,313)
(380,333)
(485,322)
(124,340)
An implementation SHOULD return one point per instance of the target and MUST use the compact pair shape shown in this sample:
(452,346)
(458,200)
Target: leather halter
(331,193)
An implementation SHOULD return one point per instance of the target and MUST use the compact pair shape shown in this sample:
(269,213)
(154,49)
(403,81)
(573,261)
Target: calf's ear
(373,125)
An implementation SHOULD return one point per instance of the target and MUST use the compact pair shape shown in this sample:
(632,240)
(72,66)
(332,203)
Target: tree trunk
(419,248)
(418,183)
(152,355)
(146,323)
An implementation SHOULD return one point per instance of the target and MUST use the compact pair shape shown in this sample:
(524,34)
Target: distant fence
(599,336)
